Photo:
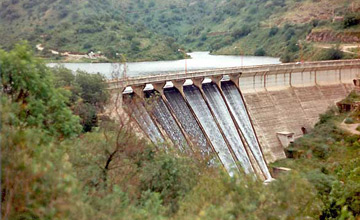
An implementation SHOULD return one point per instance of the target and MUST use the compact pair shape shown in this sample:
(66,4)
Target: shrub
(273,31)
(243,31)
(170,176)
(63,13)
(321,181)
(356,144)
(352,139)
(290,32)
(87,46)
(315,23)
(35,173)
(350,20)
(287,57)
(349,121)
(330,54)
(203,37)
(327,116)
(260,52)
(321,150)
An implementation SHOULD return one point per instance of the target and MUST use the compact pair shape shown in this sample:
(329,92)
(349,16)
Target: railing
(247,71)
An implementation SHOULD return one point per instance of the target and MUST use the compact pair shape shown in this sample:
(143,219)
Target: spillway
(194,97)
(223,116)
(237,107)
(276,104)
(186,119)
(139,113)
(157,107)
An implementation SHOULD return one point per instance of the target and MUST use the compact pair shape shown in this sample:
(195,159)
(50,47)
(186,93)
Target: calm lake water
(198,61)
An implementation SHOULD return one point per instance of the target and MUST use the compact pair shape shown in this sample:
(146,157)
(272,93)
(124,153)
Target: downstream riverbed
(198,61)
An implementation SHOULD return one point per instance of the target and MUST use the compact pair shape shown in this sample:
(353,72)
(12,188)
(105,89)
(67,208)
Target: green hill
(154,29)
(260,27)
(81,26)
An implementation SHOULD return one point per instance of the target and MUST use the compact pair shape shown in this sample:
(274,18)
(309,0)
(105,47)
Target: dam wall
(292,102)
(244,117)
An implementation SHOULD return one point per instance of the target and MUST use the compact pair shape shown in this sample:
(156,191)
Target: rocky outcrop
(330,36)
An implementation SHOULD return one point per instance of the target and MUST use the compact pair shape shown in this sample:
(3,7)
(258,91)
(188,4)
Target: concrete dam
(244,116)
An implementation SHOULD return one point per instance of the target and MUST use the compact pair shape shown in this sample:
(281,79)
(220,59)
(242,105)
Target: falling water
(202,112)
(219,108)
(157,106)
(221,131)
(234,99)
(186,119)
(142,117)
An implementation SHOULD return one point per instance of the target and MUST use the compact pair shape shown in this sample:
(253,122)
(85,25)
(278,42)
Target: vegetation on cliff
(52,170)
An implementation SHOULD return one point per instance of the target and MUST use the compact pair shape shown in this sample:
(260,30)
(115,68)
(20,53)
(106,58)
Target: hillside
(153,30)
(259,27)
(80,26)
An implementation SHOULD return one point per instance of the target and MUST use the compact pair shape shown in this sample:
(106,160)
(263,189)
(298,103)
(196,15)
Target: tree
(88,94)
(34,114)
(331,54)
(273,31)
(29,83)
(93,89)
(64,78)
(260,52)
(243,31)
(37,181)
(351,20)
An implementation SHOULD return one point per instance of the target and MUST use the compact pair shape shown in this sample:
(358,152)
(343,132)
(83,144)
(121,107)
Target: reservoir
(198,61)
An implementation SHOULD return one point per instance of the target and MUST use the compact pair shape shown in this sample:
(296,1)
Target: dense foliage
(28,84)
(49,171)
(88,94)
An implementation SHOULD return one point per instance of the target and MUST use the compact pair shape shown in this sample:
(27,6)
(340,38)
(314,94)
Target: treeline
(53,166)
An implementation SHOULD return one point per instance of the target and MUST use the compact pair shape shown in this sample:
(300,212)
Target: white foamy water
(143,119)
(202,112)
(186,119)
(234,99)
(227,125)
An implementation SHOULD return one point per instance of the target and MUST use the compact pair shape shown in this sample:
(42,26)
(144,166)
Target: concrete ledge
(263,70)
